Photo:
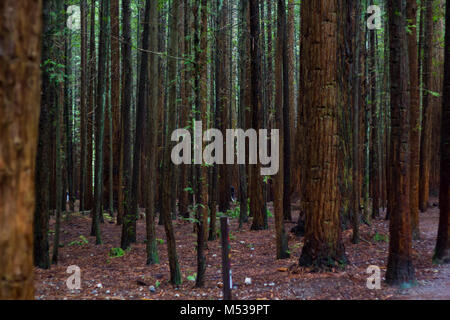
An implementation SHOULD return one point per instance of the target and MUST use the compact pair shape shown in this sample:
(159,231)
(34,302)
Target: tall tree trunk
(127,140)
(43,159)
(425,138)
(288,106)
(83,105)
(90,114)
(279,187)
(399,268)
(257,201)
(130,226)
(289,115)
(19,120)
(68,120)
(152,130)
(356,168)
(185,92)
(201,42)
(115,100)
(244,86)
(100,118)
(415,117)
(442,252)
(323,246)
(56,127)
(167,173)
(223,97)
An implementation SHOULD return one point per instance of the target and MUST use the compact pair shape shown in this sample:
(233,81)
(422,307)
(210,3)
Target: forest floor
(253,256)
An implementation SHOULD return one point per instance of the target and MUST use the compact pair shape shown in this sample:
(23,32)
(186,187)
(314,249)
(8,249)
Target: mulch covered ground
(253,256)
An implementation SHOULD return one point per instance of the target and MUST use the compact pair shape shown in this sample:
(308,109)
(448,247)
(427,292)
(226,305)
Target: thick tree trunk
(44,157)
(19,119)
(400,268)
(442,251)
(319,73)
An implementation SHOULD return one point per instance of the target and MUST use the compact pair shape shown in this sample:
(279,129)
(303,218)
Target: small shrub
(116,252)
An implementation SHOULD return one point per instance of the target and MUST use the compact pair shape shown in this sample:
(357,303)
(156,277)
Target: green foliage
(160,241)
(192,277)
(80,242)
(189,189)
(379,237)
(116,252)
(191,220)
(269,213)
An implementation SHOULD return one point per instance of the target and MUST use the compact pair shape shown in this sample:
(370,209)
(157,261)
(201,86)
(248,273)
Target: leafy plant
(269,213)
(192,277)
(80,242)
(379,237)
(116,252)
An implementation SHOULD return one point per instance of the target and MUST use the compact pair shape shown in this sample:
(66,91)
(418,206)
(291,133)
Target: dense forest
(115,156)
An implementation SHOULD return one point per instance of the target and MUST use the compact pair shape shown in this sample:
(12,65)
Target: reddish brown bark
(19,119)
(323,246)
(415,117)
(442,252)
(399,268)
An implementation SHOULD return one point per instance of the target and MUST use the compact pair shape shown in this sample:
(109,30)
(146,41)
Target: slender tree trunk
(59,102)
(100,118)
(201,41)
(19,120)
(115,101)
(152,128)
(288,106)
(356,168)
(244,87)
(415,117)
(279,187)
(83,104)
(167,175)
(128,214)
(185,91)
(90,114)
(68,121)
(257,201)
(425,138)
(223,97)
(139,133)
